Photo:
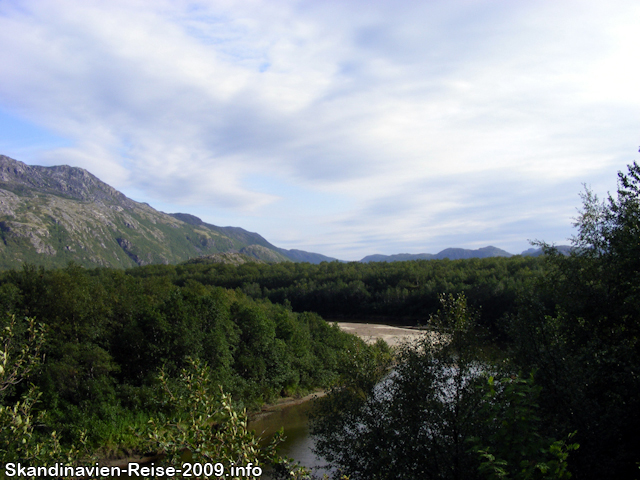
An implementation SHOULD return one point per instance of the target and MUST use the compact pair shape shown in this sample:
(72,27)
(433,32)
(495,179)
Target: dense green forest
(531,369)
(401,292)
(108,334)
(110,331)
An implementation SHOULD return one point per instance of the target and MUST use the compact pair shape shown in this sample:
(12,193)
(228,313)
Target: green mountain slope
(52,215)
(250,238)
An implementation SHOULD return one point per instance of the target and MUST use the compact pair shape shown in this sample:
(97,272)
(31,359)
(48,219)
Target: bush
(412,422)
(435,416)
(204,427)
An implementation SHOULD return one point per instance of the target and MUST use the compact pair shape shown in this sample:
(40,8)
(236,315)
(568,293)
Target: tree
(20,355)
(412,422)
(514,447)
(204,427)
(579,330)
(439,414)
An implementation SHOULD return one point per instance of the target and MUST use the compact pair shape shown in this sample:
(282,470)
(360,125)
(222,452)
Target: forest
(397,292)
(530,370)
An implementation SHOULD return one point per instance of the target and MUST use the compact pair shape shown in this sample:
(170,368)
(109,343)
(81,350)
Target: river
(298,443)
(294,418)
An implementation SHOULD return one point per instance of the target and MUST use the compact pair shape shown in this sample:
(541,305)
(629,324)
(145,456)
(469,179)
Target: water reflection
(295,421)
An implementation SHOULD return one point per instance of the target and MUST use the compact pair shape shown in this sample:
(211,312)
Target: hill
(52,215)
(450,253)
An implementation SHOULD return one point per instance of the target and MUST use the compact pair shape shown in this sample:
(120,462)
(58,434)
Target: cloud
(374,126)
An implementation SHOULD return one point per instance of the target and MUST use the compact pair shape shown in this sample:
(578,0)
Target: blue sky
(346,128)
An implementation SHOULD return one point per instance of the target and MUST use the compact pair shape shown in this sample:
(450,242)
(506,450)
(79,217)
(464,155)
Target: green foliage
(513,447)
(435,415)
(411,422)
(395,291)
(205,427)
(578,329)
(110,332)
(200,424)
(20,355)
(21,343)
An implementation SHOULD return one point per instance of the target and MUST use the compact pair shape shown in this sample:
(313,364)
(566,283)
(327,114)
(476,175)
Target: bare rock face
(62,180)
(52,215)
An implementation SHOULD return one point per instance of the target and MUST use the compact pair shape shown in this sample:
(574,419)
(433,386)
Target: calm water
(295,421)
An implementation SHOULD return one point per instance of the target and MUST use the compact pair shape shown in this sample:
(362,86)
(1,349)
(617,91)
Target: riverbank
(283,403)
(271,413)
(372,332)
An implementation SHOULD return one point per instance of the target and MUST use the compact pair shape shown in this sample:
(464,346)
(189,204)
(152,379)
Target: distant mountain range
(450,253)
(52,215)
(458,254)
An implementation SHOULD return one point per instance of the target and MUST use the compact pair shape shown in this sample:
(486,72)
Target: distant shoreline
(372,332)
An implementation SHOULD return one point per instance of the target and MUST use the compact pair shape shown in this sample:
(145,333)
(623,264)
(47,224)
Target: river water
(298,443)
(294,418)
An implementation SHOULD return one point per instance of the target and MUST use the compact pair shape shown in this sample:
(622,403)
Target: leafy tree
(412,422)
(205,427)
(438,414)
(20,355)
(579,330)
(18,359)
(201,425)
(514,447)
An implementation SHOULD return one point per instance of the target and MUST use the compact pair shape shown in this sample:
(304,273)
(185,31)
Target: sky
(346,128)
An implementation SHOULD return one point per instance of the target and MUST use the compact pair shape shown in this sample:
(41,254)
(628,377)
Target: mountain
(302,256)
(52,215)
(254,239)
(398,257)
(536,252)
(450,253)
(460,253)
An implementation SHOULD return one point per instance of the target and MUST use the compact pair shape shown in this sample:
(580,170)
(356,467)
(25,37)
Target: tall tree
(580,331)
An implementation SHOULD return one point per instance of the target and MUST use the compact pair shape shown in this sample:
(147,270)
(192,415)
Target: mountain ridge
(52,215)
(458,254)
(450,253)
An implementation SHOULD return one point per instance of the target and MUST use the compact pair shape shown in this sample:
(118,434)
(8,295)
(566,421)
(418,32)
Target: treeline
(401,291)
(109,333)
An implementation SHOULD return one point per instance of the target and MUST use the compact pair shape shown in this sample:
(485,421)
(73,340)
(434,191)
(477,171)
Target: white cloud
(430,122)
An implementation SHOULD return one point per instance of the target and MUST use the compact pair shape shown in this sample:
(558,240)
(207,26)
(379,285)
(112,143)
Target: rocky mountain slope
(52,215)
(253,239)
